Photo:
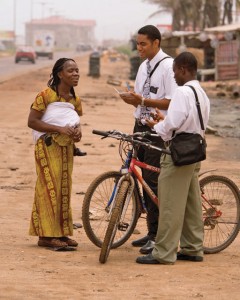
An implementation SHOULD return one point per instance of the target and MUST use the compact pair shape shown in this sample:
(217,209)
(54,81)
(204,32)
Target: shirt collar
(192,82)
(160,55)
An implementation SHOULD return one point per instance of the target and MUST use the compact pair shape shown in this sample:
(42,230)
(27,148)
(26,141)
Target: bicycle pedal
(123,226)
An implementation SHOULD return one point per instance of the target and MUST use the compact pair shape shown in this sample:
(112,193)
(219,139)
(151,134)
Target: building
(227,51)
(217,50)
(7,39)
(68,33)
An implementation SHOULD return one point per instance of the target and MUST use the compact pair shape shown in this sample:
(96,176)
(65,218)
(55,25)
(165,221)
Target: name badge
(153,89)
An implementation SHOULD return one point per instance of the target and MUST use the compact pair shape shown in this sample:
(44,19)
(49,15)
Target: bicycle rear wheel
(221,212)
(96,210)
(113,222)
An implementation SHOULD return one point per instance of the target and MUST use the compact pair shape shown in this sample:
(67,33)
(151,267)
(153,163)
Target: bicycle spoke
(96,213)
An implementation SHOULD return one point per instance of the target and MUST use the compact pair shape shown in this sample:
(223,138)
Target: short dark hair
(151,32)
(187,60)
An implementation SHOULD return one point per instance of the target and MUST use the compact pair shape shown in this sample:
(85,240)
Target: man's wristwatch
(142,102)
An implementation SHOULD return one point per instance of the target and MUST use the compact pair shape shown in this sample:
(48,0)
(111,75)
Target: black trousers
(151,157)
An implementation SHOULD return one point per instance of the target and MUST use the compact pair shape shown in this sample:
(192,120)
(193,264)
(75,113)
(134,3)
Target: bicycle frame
(129,168)
(142,165)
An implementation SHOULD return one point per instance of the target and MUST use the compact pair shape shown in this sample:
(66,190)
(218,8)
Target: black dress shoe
(141,242)
(78,152)
(147,248)
(147,259)
(181,256)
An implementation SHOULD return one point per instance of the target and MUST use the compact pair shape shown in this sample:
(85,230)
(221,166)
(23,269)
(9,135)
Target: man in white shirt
(154,87)
(180,217)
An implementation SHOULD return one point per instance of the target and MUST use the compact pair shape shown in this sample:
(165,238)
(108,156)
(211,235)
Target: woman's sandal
(69,241)
(51,242)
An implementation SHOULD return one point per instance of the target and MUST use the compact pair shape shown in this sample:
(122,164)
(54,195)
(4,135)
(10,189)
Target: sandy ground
(31,272)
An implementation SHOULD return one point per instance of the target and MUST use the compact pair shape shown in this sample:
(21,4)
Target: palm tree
(195,13)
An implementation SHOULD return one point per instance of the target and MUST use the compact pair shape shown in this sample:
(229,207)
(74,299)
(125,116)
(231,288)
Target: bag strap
(198,106)
(157,64)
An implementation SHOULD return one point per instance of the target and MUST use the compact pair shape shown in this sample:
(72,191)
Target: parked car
(83,47)
(26,53)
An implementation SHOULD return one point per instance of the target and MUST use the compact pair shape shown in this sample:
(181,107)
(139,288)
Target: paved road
(9,69)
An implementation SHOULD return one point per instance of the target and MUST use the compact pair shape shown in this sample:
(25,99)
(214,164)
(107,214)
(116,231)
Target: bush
(124,49)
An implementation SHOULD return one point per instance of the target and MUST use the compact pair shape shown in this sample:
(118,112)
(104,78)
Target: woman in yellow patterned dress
(55,120)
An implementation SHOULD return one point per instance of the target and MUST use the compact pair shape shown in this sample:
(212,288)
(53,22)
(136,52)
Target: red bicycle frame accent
(217,213)
(132,169)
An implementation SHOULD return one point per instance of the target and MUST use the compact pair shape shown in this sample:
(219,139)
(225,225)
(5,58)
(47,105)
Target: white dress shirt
(182,113)
(162,79)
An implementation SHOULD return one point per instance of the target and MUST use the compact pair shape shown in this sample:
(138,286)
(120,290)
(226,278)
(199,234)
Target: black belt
(139,123)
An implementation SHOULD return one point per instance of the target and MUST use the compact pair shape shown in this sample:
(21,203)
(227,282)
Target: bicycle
(113,202)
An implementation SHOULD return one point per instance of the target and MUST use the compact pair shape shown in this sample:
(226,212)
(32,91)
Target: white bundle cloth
(59,114)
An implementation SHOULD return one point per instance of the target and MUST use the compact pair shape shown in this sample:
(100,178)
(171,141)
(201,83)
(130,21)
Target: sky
(117,19)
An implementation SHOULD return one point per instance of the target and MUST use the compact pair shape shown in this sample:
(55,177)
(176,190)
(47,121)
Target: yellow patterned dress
(51,212)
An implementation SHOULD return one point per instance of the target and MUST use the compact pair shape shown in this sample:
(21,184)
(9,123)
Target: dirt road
(31,272)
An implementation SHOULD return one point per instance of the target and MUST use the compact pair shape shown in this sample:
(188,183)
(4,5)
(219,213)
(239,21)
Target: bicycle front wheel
(96,210)
(221,212)
(113,221)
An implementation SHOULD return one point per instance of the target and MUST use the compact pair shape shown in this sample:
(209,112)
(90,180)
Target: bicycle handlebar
(130,138)
(102,133)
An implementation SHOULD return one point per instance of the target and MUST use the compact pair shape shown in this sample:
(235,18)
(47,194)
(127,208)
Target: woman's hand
(68,130)
(77,134)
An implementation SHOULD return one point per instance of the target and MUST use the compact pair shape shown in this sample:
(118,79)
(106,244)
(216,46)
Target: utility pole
(43,4)
(31,11)
(14,21)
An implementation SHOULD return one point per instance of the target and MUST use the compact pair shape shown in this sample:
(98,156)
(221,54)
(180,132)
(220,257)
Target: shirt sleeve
(39,103)
(177,114)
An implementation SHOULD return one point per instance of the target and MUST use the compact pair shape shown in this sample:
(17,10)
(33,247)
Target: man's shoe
(147,248)
(181,256)
(141,242)
(147,259)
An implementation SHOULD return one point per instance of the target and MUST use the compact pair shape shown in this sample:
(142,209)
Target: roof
(224,28)
(180,34)
(55,20)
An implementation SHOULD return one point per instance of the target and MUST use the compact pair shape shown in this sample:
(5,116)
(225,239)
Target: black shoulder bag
(188,148)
